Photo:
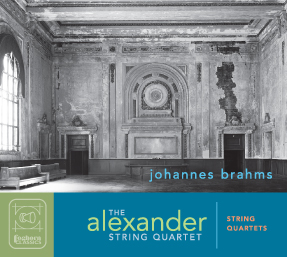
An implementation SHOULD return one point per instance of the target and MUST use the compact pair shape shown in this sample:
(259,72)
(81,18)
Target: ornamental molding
(248,128)
(36,3)
(282,22)
(155,49)
(45,52)
(156,95)
(170,86)
(78,50)
(38,37)
(29,23)
(65,131)
(77,130)
(14,10)
(272,31)
(156,124)
(227,47)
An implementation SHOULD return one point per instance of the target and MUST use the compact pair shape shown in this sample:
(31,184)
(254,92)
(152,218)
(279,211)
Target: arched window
(9,104)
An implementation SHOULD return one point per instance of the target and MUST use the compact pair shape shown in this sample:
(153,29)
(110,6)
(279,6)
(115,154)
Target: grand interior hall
(99,95)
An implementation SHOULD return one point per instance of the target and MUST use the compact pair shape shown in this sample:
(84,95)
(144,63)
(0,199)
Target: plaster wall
(86,90)
(79,91)
(273,90)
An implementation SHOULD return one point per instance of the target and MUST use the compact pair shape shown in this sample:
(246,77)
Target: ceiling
(83,20)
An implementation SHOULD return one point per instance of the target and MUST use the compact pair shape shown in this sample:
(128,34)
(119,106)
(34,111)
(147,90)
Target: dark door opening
(79,162)
(233,161)
(78,155)
(234,154)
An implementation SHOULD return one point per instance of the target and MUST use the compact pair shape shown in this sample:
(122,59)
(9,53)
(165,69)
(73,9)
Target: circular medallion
(155,95)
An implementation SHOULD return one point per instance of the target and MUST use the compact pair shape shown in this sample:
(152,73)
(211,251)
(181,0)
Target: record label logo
(27,224)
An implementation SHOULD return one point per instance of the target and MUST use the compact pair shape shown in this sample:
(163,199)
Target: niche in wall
(156,112)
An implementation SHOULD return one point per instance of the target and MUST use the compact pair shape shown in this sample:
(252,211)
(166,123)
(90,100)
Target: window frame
(12,124)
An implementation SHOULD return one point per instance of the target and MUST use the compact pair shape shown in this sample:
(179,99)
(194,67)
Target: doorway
(79,162)
(78,155)
(234,153)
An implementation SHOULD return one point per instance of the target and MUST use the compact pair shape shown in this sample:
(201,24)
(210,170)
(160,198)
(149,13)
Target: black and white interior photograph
(143,96)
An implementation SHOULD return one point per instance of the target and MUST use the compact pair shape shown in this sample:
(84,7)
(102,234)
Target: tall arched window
(9,104)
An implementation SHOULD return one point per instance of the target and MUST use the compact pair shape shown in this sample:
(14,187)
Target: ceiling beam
(146,2)
(179,13)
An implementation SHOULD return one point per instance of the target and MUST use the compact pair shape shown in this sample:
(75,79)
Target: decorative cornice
(79,130)
(226,47)
(32,27)
(137,128)
(155,124)
(43,42)
(149,24)
(246,129)
(40,44)
(155,49)
(22,4)
(91,38)
(149,4)
(282,22)
(27,22)
(78,50)
(15,10)
(273,33)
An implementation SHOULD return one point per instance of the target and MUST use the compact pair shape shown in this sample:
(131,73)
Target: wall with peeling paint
(85,90)
(80,91)
(273,90)
(76,79)
(40,92)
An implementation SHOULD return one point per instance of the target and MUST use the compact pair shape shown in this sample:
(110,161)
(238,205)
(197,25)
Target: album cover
(142,127)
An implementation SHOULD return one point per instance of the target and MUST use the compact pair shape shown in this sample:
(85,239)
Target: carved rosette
(156,96)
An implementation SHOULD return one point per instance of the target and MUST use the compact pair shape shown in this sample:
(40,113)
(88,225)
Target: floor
(102,183)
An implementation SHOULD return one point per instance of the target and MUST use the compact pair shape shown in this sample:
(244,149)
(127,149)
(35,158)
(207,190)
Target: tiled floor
(100,183)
